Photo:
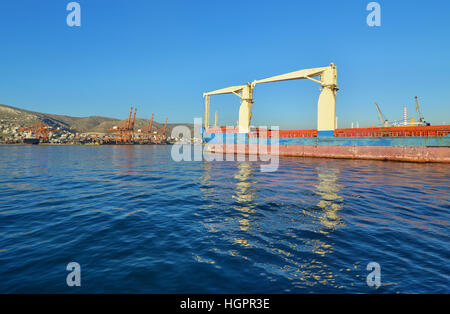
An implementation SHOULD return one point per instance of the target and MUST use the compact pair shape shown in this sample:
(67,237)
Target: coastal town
(18,126)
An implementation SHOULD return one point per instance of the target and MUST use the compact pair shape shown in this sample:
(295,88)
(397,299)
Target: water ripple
(136,221)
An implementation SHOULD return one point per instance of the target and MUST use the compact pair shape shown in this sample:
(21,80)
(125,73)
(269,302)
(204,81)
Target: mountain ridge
(94,124)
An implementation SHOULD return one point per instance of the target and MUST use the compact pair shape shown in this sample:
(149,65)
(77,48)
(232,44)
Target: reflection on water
(290,245)
(139,222)
(317,272)
(244,195)
(313,271)
(124,157)
(330,201)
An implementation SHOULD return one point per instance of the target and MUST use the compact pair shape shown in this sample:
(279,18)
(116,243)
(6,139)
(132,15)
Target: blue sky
(160,56)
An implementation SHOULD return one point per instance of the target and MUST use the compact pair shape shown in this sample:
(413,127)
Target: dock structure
(124,133)
(38,132)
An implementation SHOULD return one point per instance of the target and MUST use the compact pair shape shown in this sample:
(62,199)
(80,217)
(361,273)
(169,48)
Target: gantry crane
(40,130)
(130,133)
(326,119)
(145,135)
(160,135)
(148,132)
(150,124)
(125,131)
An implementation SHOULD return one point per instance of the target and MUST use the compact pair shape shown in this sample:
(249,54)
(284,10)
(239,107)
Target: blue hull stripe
(325,133)
(242,138)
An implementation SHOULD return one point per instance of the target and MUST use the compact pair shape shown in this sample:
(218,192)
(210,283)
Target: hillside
(11,117)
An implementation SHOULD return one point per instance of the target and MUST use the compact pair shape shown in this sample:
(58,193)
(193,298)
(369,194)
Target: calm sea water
(138,222)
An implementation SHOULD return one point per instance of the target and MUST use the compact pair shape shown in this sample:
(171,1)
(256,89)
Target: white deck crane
(245,92)
(326,116)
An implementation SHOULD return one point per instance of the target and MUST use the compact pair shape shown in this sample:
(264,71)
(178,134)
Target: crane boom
(296,75)
(132,121)
(149,127)
(129,118)
(164,128)
(227,90)
(383,120)
(326,116)
(419,112)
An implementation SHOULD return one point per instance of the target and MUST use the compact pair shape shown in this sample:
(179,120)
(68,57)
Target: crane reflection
(330,201)
(245,194)
(290,238)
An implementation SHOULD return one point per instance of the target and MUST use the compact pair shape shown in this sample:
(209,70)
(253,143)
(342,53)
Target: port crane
(383,120)
(419,113)
(326,119)
(148,136)
(421,121)
(150,124)
(144,136)
(40,129)
(161,134)
(124,131)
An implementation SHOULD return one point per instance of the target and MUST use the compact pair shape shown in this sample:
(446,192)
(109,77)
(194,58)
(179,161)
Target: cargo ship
(31,140)
(400,143)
